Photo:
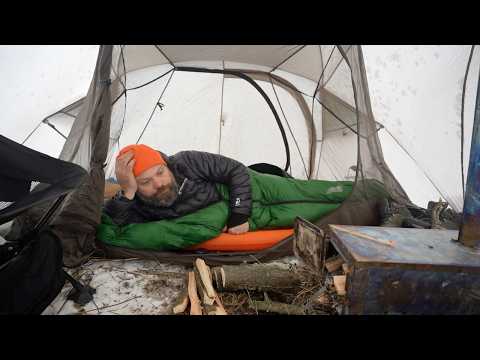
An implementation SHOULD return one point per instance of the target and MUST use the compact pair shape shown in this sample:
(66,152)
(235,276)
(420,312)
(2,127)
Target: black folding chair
(29,178)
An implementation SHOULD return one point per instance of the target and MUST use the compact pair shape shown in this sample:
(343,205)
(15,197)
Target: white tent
(415,91)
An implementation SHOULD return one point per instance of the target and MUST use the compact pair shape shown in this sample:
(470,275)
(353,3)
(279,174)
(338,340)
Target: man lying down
(174,202)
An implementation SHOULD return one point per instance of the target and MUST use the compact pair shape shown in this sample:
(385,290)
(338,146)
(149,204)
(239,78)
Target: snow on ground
(132,286)
(128,287)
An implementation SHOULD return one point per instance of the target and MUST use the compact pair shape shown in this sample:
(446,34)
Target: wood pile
(200,293)
(263,288)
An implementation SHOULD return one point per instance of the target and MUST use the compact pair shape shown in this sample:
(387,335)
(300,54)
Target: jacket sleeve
(121,210)
(221,169)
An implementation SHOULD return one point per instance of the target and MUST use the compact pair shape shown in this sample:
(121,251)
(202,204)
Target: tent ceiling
(267,55)
(302,60)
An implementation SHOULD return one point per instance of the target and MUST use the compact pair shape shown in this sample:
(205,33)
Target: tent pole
(470,227)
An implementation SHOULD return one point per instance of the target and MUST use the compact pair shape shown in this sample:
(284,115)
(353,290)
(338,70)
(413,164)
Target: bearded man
(157,187)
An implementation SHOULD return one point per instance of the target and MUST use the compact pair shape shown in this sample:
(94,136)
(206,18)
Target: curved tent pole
(295,93)
(258,88)
(307,173)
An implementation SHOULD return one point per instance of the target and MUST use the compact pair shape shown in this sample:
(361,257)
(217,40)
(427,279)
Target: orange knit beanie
(145,157)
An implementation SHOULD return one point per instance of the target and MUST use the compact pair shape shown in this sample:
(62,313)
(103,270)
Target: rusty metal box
(403,271)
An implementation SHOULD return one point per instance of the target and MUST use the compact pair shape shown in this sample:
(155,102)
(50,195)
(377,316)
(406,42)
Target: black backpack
(33,277)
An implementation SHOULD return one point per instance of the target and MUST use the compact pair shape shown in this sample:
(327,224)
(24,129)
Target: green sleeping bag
(276,202)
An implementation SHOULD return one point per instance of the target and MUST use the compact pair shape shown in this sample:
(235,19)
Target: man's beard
(166,199)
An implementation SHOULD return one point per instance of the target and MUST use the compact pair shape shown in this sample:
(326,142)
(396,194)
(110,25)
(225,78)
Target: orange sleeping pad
(250,241)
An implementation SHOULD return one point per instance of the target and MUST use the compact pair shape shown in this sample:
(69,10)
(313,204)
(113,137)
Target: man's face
(157,186)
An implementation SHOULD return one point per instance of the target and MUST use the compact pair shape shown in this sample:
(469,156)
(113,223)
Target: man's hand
(124,172)
(239,229)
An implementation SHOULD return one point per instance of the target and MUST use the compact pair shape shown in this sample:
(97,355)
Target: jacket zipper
(181,186)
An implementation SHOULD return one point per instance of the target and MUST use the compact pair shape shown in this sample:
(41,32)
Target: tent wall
(416,93)
(37,81)
(339,152)
(370,164)
(409,174)
(87,145)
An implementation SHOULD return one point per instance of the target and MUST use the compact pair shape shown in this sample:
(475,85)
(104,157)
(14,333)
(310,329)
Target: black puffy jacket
(196,174)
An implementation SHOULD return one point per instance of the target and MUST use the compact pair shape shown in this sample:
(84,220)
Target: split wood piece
(339,283)
(182,302)
(255,277)
(346,268)
(364,236)
(209,309)
(205,276)
(218,275)
(206,300)
(277,307)
(217,311)
(334,263)
(220,309)
(195,307)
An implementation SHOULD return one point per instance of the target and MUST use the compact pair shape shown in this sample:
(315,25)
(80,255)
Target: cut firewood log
(339,283)
(255,277)
(182,302)
(334,263)
(277,307)
(218,275)
(206,300)
(195,307)
(205,276)
(209,306)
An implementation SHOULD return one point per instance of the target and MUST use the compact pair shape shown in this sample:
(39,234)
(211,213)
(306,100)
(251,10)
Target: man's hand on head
(239,229)
(124,172)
